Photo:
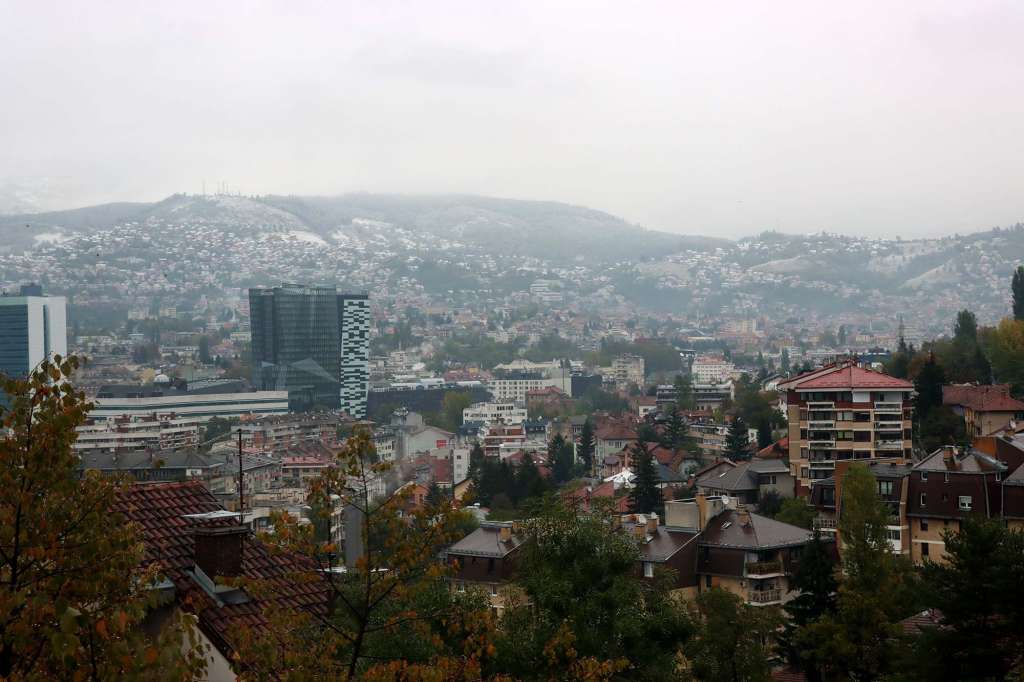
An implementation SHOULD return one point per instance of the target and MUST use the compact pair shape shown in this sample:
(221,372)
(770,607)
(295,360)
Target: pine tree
(586,445)
(816,580)
(560,458)
(737,440)
(764,434)
(784,360)
(928,385)
(675,430)
(684,392)
(646,496)
(1018,293)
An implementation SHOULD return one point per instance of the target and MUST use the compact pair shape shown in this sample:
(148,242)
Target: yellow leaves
(151,655)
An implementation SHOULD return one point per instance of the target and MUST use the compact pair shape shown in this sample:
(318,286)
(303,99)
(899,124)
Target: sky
(874,118)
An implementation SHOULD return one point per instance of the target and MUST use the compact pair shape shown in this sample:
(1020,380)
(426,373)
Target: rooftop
(949,459)
(984,398)
(743,530)
(845,375)
(486,541)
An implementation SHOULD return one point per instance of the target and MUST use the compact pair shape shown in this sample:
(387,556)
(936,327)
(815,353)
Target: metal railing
(889,445)
(825,524)
(764,596)
(821,425)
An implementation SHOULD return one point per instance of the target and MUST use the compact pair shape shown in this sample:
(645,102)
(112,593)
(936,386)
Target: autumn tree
(391,614)
(73,593)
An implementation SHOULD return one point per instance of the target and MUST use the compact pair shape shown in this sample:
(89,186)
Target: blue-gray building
(31,329)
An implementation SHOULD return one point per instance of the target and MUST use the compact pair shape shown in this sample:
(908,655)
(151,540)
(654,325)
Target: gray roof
(738,477)
(666,475)
(732,529)
(484,541)
(973,461)
(171,459)
(1016,478)
(665,543)
(883,470)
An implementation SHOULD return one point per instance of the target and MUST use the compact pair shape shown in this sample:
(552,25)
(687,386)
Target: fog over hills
(453,243)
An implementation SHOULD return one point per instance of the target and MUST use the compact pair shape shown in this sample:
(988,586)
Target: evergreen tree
(646,496)
(737,440)
(684,392)
(560,456)
(732,640)
(784,360)
(675,430)
(928,385)
(586,445)
(204,350)
(435,496)
(1018,293)
(529,484)
(966,327)
(815,578)
(842,335)
(764,434)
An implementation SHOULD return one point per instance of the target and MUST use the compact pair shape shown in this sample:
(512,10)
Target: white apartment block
(495,413)
(711,370)
(627,370)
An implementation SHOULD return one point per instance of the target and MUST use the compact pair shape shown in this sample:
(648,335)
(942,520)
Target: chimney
(702,510)
(949,457)
(218,550)
(652,523)
(505,534)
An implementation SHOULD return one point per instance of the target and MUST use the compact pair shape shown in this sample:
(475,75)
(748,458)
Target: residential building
(845,412)
(945,488)
(313,343)
(138,433)
(280,433)
(513,386)
(32,328)
(746,481)
(486,560)
(985,409)
(495,413)
(711,370)
(627,370)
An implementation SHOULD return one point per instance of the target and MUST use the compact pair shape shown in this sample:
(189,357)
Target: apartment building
(627,370)
(137,433)
(711,370)
(845,412)
(495,413)
(282,432)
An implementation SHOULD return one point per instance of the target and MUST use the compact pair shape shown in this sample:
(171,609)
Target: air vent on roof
(726,524)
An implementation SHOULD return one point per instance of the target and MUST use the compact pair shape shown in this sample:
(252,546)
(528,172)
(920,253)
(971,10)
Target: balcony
(889,407)
(828,525)
(764,596)
(823,464)
(821,406)
(889,445)
(821,444)
(821,425)
(763,569)
(889,426)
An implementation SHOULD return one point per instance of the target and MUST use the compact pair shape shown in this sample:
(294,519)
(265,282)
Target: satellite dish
(725,500)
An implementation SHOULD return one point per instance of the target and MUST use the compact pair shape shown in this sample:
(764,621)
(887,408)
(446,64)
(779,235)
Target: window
(945,477)
(924,475)
(490,565)
(494,590)
(769,479)
(462,586)
(924,499)
(924,525)
(893,534)
(965,502)
(648,569)
(707,581)
(885,487)
(924,549)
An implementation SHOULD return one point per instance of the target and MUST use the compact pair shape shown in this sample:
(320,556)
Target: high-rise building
(845,412)
(313,343)
(32,327)
(354,326)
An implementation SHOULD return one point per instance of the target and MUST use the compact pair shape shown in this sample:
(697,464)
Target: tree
(928,386)
(796,512)
(764,434)
(452,406)
(815,579)
(979,637)
(584,606)
(737,440)
(1005,345)
(730,643)
(529,484)
(645,497)
(586,445)
(859,641)
(769,503)
(842,335)
(684,392)
(73,592)
(435,496)
(784,360)
(675,430)
(392,614)
(965,328)
(1018,293)
(560,456)
(204,350)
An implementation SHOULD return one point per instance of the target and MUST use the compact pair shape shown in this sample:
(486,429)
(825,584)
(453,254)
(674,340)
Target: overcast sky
(887,118)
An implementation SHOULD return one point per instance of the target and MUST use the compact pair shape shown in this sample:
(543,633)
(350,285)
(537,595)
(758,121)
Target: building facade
(845,412)
(31,328)
(354,325)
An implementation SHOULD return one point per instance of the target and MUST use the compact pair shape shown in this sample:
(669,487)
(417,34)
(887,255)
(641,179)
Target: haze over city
(876,119)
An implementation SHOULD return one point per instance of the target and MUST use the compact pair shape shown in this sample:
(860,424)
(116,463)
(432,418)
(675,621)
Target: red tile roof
(160,509)
(845,375)
(994,398)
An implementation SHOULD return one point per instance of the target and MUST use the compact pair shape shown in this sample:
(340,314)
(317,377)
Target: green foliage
(645,496)
(552,346)
(451,409)
(586,445)
(737,440)
(560,455)
(1005,347)
(1017,287)
(815,578)
(796,512)
(974,590)
(769,504)
(684,392)
(583,601)
(731,639)
(73,592)
(218,427)
(928,386)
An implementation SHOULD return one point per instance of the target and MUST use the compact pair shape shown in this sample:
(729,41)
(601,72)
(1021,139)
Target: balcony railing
(821,425)
(821,444)
(764,596)
(823,464)
(889,407)
(821,406)
(764,568)
(824,524)
(889,445)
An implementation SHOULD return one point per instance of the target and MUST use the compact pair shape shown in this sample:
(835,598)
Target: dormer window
(965,503)
(924,475)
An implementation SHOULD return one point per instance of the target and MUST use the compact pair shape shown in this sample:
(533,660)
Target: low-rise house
(747,481)
(984,408)
(486,559)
